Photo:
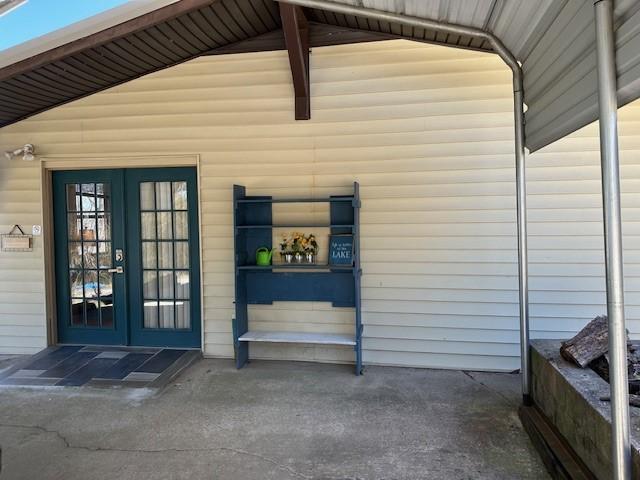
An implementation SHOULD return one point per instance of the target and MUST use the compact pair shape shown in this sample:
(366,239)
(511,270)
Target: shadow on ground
(273,420)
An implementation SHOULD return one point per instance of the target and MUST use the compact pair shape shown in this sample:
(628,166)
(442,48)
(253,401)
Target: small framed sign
(341,250)
(16,241)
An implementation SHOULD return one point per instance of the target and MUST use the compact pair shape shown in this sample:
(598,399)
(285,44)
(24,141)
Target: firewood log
(634,400)
(590,343)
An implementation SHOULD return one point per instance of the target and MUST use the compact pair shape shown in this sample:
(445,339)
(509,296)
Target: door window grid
(165,292)
(89,250)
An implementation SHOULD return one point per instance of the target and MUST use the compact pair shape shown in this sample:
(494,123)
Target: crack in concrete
(67,444)
(506,399)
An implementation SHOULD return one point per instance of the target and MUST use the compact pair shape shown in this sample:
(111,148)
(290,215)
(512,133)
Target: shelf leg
(241,348)
(358,358)
(242,354)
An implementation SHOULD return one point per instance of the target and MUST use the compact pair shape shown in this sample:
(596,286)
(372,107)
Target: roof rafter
(296,38)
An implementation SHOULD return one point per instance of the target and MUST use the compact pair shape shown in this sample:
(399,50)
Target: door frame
(51,163)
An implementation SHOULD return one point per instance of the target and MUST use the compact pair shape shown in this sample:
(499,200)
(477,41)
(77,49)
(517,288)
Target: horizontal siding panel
(446,361)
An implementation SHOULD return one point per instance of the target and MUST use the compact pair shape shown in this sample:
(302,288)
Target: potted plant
(286,248)
(310,248)
(297,247)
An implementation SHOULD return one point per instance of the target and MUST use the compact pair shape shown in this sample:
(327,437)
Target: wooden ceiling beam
(296,39)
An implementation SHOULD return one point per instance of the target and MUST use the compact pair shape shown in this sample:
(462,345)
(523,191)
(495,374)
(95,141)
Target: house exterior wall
(428,133)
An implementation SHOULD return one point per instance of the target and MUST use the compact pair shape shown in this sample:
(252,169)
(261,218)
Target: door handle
(116,270)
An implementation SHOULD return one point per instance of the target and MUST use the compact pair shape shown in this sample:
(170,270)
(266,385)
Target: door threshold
(122,348)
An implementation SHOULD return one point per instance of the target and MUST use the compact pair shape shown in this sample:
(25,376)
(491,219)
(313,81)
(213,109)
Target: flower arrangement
(299,247)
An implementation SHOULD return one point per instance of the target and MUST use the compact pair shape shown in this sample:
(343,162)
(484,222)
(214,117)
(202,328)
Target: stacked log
(590,347)
(590,343)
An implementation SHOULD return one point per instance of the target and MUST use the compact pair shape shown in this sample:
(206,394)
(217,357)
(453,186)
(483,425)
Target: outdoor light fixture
(27,152)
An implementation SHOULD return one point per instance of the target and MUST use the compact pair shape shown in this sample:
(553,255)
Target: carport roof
(554,40)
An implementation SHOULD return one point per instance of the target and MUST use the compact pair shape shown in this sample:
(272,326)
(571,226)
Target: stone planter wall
(570,398)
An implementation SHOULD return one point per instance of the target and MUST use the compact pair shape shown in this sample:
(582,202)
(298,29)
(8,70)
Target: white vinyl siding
(22,300)
(427,131)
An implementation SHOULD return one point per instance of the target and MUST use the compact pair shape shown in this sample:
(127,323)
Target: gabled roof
(554,40)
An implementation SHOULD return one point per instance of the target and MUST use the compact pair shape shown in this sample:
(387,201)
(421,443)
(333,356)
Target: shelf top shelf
(298,337)
(296,266)
(297,200)
(317,225)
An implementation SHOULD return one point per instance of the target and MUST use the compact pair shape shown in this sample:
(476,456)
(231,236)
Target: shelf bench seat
(298,337)
(296,266)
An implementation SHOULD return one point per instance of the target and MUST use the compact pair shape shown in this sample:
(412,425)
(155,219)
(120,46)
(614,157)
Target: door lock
(119,255)
(116,270)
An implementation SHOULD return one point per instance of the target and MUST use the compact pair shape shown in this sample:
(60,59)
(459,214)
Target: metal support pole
(605,42)
(518,95)
(523,252)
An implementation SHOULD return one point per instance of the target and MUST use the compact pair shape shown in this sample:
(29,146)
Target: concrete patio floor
(273,420)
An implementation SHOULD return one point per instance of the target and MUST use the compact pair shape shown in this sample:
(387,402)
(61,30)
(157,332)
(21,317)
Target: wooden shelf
(338,285)
(296,266)
(317,225)
(296,200)
(298,337)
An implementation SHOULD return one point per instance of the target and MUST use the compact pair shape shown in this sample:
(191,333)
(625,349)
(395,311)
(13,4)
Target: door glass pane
(165,314)
(147,196)
(182,254)
(73,197)
(182,284)
(149,254)
(166,284)
(75,255)
(104,254)
(148,227)
(164,226)
(106,285)
(150,314)
(103,197)
(182,314)
(89,254)
(104,226)
(88,194)
(76,280)
(106,314)
(74,226)
(150,284)
(180,195)
(77,312)
(90,284)
(163,195)
(106,298)
(89,230)
(181,225)
(165,254)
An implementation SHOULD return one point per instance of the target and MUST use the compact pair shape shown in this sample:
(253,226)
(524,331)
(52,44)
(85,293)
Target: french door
(127,257)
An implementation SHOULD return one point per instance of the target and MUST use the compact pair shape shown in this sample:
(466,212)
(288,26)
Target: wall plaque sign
(341,250)
(17,241)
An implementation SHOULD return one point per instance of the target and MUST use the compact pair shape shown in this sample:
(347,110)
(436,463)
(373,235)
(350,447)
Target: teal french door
(127,257)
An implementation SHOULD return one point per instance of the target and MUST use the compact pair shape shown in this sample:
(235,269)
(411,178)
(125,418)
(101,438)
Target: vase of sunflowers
(310,249)
(297,247)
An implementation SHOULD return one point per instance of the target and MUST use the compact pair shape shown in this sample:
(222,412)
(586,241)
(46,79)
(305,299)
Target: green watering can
(263,256)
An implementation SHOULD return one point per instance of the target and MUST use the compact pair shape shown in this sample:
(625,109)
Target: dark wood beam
(91,41)
(296,39)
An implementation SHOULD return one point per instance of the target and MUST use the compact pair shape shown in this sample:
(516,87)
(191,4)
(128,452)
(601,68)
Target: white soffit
(555,42)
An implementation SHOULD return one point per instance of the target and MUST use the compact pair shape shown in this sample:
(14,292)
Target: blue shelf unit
(260,285)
